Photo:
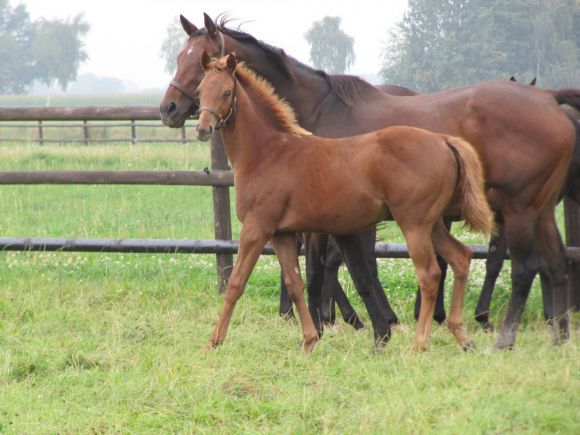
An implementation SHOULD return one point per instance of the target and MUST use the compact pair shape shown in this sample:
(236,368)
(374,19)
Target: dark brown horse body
(288,181)
(523,138)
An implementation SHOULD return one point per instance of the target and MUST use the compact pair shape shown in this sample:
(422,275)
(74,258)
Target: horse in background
(524,139)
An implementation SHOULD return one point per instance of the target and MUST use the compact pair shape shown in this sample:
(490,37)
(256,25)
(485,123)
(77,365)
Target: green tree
(59,50)
(16,57)
(172,45)
(441,44)
(44,50)
(330,48)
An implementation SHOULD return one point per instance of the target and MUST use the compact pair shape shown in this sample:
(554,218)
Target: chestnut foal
(289,181)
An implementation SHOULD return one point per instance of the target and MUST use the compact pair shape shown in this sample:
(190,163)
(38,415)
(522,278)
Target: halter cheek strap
(186,91)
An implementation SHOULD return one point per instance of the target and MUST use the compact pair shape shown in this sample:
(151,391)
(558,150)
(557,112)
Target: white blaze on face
(189,51)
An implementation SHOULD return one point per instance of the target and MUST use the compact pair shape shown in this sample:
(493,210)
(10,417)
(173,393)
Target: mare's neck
(246,135)
(304,89)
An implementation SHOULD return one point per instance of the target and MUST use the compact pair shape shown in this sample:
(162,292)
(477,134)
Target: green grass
(106,343)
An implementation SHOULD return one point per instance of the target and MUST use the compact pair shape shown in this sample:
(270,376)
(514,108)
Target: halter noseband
(222,122)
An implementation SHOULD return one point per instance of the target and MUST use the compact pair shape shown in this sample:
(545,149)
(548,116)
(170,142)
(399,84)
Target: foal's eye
(227,93)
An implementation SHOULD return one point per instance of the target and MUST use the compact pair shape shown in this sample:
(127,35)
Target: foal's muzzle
(203,134)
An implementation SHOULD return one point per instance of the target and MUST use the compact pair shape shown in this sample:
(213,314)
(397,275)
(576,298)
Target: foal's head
(216,93)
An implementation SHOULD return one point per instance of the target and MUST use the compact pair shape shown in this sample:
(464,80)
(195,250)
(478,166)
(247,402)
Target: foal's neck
(246,136)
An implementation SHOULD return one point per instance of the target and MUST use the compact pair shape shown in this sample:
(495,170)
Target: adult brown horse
(288,181)
(524,140)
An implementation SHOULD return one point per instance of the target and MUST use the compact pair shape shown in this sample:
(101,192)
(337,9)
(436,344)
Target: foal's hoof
(309,345)
(381,342)
(488,328)
(469,346)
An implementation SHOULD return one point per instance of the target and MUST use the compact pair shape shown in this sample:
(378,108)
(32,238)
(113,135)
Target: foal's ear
(209,25)
(513,79)
(205,60)
(533,82)
(231,62)
(187,25)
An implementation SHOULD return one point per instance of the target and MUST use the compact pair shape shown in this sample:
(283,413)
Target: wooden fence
(218,177)
(86,114)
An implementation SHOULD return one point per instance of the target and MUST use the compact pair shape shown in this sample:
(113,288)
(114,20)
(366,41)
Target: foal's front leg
(285,247)
(252,240)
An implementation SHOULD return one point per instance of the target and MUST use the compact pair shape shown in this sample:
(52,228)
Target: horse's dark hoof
(469,346)
(355,322)
(381,342)
(487,327)
(440,318)
(287,315)
(504,344)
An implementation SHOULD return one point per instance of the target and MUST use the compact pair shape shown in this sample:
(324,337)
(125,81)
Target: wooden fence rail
(219,178)
(85,114)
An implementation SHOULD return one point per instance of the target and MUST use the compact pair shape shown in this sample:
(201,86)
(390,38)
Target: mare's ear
(231,62)
(513,79)
(209,25)
(205,60)
(187,25)
(533,82)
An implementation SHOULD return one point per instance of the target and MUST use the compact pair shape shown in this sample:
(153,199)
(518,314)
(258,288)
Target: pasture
(107,343)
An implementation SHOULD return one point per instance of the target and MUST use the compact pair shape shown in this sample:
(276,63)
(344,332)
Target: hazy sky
(126,35)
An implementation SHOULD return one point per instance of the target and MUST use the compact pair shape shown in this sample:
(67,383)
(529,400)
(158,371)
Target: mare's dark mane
(348,89)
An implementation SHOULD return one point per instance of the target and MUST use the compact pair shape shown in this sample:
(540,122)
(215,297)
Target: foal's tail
(569,96)
(474,207)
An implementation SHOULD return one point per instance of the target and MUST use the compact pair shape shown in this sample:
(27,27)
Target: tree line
(47,51)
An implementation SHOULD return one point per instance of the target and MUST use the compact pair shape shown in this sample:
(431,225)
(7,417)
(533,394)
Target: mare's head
(216,92)
(180,101)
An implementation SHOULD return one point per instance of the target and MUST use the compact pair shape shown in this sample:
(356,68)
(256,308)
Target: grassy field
(110,343)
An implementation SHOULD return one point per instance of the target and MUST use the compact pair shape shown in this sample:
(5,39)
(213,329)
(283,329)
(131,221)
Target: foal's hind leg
(428,274)
(285,247)
(459,258)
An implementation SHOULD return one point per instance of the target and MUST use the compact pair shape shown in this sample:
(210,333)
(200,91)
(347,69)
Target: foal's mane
(272,105)
(347,88)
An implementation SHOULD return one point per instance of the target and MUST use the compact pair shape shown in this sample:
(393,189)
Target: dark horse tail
(475,209)
(569,96)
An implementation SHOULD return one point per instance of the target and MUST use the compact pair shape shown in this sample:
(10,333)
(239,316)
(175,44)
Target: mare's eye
(227,93)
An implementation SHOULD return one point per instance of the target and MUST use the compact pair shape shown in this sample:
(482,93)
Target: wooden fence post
(133,133)
(40,133)
(85,132)
(222,213)
(572,220)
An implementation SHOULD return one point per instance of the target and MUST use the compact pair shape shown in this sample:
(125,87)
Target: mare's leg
(519,232)
(353,253)
(439,314)
(493,266)
(252,240)
(459,258)
(428,274)
(554,269)
(333,292)
(547,298)
(285,247)
(285,301)
(368,240)
(315,244)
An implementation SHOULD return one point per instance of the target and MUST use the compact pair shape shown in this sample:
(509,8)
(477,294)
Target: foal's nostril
(171,108)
